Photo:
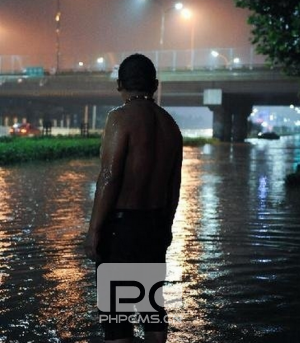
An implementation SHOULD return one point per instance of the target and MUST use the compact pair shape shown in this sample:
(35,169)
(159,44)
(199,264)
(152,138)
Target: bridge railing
(208,58)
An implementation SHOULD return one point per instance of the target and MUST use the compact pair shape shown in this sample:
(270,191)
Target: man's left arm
(113,156)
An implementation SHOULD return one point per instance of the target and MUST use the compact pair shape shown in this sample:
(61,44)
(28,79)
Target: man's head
(137,73)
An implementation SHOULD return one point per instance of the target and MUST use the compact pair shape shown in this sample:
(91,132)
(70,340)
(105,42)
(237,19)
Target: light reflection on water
(236,237)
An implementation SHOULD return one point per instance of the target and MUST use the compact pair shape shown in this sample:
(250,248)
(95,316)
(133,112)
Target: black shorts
(134,236)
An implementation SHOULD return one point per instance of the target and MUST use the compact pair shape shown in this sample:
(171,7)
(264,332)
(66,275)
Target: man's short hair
(137,73)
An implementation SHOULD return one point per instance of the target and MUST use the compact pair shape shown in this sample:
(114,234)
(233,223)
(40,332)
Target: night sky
(95,26)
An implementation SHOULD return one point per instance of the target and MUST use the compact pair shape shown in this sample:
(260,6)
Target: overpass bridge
(231,92)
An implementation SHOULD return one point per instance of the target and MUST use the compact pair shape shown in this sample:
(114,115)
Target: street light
(187,15)
(101,63)
(178,7)
(57,19)
(216,54)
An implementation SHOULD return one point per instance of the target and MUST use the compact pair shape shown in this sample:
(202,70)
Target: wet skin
(141,157)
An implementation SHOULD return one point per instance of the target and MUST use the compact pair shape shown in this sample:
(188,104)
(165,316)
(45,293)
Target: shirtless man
(138,187)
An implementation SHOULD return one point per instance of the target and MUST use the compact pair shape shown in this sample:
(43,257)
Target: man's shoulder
(115,112)
(116,122)
(116,116)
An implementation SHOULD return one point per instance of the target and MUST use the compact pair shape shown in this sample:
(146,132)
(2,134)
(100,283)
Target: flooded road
(236,238)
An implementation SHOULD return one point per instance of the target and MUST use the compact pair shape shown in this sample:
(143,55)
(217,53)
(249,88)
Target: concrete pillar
(222,123)
(86,114)
(68,121)
(227,135)
(240,126)
(217,121)
(240,108)
(94,116)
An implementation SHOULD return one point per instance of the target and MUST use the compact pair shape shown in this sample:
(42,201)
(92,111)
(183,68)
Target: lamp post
(57,19)
(228,63)
(216,54)
(178,7)
(187,14)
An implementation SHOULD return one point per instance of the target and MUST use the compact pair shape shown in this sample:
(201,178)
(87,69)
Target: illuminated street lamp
(57,19)
(178,7)
(216,54)
(236,60)
(187,15)
(101,63)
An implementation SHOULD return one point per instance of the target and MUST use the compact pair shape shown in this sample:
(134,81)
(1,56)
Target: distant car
(24,130)
(268,135)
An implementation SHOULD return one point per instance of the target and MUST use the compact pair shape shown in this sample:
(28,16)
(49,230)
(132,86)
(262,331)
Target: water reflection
(236,238)
(48,275)
(186,250)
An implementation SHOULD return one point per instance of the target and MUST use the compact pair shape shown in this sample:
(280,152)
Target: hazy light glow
(236,60)
(178,6)
(57,17)
(215,53)
(186,13)
(281,119)
(100,60)
(84,22)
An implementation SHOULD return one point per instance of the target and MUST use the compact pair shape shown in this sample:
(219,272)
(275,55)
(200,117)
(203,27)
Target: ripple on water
(236,239)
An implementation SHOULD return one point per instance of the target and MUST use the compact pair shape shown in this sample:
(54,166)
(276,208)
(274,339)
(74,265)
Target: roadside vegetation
(24,149)
(198,141)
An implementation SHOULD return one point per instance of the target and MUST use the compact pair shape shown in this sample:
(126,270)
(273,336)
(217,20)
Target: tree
(276,31)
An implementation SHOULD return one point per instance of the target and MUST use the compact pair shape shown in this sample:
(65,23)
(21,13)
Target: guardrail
(209,58)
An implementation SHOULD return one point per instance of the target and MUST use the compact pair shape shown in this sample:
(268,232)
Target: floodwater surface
(236,239)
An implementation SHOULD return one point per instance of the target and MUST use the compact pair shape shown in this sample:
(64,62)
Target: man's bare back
(148,151)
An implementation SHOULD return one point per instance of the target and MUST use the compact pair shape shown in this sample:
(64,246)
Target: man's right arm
(113,156)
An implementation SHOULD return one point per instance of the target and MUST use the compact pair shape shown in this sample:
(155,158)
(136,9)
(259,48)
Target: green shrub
(17,150)
(197,141)
(24,149)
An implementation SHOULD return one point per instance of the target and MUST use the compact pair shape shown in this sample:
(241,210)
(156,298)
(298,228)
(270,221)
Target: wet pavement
(236,238)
